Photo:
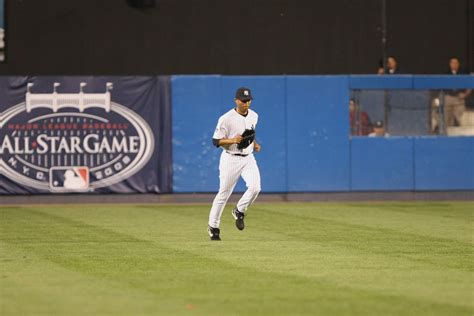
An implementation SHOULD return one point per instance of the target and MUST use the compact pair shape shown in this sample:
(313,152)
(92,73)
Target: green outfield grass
(292,259)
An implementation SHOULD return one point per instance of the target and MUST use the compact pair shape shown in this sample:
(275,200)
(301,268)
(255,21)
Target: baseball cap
(243,94)
(378,124)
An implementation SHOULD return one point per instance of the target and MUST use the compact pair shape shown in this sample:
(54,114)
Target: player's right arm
(221,135)
(226,141)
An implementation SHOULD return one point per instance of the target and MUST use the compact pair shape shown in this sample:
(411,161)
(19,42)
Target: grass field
(292,259)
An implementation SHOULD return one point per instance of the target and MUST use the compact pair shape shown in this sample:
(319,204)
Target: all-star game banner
(2,30)
(85,135)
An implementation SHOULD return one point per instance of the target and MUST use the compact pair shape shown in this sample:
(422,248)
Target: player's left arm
(256,146)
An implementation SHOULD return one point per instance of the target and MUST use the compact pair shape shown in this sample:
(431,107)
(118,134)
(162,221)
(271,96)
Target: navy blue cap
(243,94)
(378,124)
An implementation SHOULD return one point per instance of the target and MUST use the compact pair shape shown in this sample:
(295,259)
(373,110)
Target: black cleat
(239,218)
(214,233)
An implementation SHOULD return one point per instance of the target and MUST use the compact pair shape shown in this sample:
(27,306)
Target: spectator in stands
(455,67)
(359,120)
(379,130)
(454,99)
(392,66)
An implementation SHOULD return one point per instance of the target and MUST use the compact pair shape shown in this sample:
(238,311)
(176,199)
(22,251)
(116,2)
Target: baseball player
(235,133)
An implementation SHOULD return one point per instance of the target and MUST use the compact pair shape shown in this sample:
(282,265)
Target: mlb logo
(69,179)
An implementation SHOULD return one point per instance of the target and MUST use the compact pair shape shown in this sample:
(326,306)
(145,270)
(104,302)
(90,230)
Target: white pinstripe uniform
(234,163)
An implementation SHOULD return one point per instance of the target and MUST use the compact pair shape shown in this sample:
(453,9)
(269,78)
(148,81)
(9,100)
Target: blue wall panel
(269,103)
(444,163)
(377,82)
(382,164)
(196,107)
(318,133)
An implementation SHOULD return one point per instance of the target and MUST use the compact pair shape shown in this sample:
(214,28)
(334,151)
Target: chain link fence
(412,112)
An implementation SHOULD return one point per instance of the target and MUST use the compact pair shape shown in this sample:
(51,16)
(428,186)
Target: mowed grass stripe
(357,235)
(19,223)
(452,220)
(33,284)
(164,265)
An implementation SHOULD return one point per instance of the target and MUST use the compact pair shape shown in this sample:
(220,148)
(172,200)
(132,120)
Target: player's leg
(251,176)
(229,173)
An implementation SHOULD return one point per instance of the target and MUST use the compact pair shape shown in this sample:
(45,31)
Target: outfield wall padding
(304,131)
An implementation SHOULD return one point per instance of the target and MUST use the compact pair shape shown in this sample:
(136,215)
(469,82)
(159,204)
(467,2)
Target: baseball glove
(248,137)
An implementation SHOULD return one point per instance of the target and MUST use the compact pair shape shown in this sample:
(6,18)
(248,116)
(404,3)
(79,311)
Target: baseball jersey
(232,124)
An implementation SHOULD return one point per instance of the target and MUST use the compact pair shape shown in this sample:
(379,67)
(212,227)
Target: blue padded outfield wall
(304,131)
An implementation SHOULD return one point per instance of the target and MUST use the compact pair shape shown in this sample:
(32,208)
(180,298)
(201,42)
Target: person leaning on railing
(455,99)
(359,120)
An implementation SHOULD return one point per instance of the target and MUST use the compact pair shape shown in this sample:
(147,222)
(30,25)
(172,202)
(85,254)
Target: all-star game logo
(72,142)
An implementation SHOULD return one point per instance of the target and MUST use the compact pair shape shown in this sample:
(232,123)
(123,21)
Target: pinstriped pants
(230,169)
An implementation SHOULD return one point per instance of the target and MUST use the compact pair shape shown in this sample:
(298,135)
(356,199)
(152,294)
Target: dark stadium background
(234,37)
